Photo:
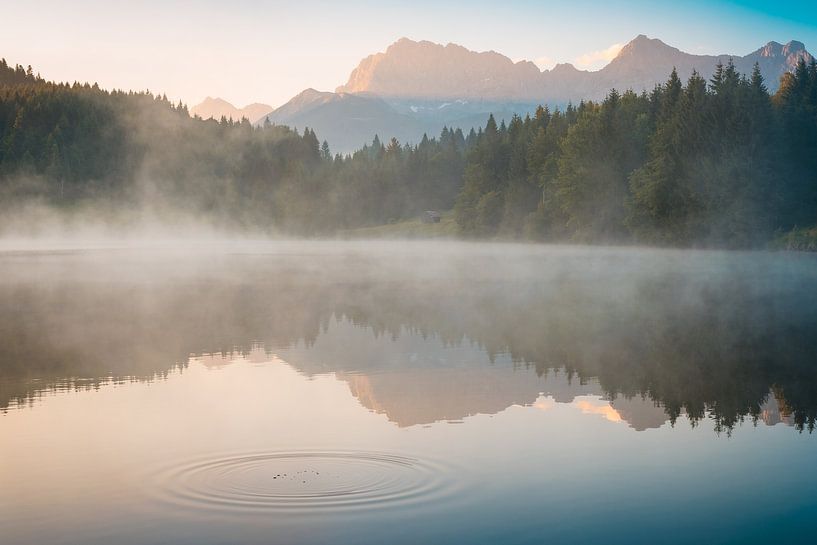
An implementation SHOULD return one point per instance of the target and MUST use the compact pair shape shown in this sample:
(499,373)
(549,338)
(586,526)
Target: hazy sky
(268,50)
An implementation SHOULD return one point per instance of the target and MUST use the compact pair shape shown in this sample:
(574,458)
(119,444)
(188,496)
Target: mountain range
(424,70)
(417,87)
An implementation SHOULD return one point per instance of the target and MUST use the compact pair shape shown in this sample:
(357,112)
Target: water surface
(297,392)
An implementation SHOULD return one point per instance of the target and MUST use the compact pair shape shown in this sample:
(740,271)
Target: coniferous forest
(717,162)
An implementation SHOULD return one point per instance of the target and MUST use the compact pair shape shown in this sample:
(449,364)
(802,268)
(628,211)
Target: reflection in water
(457,332)
(425,395)
(446,383)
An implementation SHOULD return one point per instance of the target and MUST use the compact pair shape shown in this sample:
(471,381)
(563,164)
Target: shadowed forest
(698,163)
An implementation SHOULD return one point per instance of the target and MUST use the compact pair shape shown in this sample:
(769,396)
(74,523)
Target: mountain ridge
(423,69)
(416,87)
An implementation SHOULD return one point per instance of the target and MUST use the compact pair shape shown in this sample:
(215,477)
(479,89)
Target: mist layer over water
(258,392)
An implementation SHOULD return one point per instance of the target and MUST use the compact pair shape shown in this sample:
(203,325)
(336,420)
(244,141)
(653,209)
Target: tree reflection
(711,340)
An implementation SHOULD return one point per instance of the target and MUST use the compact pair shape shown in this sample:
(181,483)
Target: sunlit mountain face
(426,70)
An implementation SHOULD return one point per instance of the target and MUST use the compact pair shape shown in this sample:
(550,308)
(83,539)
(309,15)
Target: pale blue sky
(267,51)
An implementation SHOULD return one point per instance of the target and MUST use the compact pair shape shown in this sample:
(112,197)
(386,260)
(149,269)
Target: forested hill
(716,163)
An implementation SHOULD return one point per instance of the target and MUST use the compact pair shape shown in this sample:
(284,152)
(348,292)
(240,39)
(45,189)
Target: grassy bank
(415,228)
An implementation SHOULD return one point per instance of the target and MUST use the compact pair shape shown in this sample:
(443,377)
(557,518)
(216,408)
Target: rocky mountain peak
(776,50)
(424,69)
(644,48)
(793,47)
(563,67)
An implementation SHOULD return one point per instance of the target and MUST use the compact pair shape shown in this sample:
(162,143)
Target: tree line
(719,162)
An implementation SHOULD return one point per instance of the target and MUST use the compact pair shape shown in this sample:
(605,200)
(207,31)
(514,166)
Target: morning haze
(376,289)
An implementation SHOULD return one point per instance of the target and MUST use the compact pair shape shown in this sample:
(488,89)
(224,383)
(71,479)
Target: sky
(269,50)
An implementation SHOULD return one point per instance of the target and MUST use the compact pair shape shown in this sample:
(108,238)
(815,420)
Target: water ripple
(305,481)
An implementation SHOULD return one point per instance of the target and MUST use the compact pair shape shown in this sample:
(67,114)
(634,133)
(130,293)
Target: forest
(715,163)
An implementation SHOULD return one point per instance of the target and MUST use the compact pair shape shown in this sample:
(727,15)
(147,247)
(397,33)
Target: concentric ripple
(308,480)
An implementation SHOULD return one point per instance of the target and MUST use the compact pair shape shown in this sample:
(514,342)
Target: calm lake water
(401,393)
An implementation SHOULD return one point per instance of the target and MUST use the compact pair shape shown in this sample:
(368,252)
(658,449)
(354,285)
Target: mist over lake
(326,392)
(408,273)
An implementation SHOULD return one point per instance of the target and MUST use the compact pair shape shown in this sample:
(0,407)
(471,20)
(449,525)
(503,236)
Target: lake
(405,392)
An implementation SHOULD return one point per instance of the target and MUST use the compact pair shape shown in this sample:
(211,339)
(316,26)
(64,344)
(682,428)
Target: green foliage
(711,176)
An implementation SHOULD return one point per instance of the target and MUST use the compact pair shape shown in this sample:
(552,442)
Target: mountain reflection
(650,335)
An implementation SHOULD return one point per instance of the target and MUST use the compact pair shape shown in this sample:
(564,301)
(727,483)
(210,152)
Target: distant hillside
(346,121)
(216,108)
